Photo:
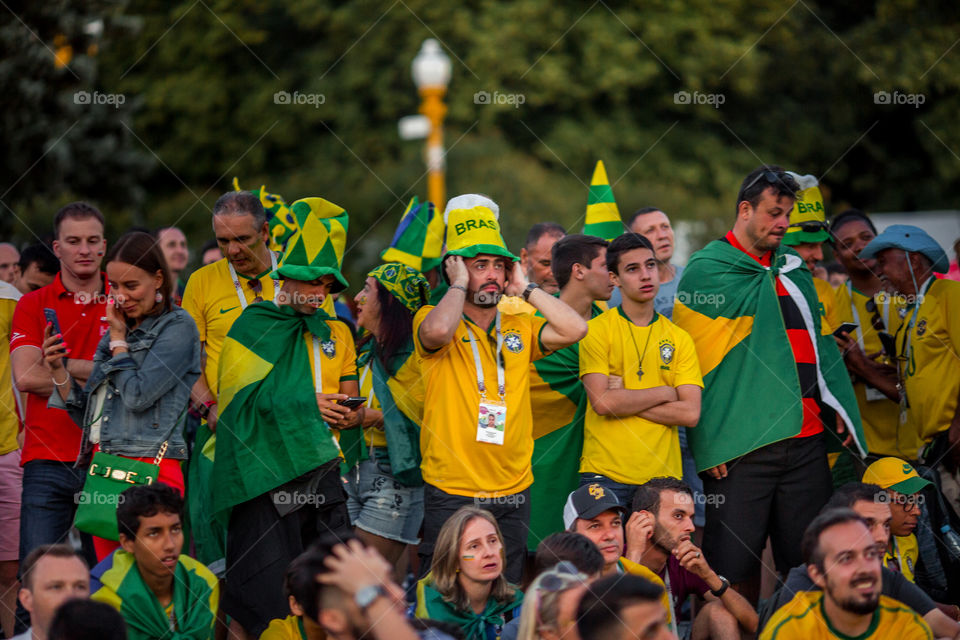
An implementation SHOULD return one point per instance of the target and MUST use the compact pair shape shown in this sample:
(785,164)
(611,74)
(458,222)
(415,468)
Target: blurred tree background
(599,81)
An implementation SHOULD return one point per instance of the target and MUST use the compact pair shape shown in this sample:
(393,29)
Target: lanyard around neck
(498,356)
(236,280)
(317,367)
(856,314)
(363,378)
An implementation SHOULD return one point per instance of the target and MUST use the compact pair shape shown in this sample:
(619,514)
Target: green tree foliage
(598,81)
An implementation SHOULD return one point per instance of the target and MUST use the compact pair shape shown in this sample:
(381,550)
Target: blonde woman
(466,585)
(550,609)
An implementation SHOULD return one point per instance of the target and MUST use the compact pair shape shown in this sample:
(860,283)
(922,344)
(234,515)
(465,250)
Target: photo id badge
(491,422)
(873,395)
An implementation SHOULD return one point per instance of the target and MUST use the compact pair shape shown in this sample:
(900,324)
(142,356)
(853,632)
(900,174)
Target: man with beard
(476,360)
(658,537)
(536,262)
(871,503)
(752,310)
(843,560)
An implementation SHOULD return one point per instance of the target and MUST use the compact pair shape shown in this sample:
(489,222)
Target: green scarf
(403,434)
(728,304)
(430,604)
(270,430)
(118,583)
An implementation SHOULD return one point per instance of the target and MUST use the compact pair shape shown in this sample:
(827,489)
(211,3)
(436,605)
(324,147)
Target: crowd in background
(585,440)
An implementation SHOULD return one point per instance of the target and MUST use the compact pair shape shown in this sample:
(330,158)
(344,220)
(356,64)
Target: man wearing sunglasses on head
(772,382)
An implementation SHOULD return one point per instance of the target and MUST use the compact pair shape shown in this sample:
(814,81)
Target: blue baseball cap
(908,238)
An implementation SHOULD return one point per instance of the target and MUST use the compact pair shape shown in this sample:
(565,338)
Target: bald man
(9,257)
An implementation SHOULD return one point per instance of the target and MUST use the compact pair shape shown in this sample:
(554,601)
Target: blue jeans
(624,492)
(379,504)
(48,502)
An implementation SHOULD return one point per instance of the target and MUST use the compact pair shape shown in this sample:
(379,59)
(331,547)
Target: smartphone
(846,327)
(889,344)
(51,317)
(353,403)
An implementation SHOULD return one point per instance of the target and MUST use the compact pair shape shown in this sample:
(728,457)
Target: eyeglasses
(257,287)
(875,320)
(771,177)
(560,578)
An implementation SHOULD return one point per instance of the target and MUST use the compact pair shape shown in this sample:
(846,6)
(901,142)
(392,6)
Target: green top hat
(316,248)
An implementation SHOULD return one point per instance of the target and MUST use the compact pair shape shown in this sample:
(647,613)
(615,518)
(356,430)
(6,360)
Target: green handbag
(108,477)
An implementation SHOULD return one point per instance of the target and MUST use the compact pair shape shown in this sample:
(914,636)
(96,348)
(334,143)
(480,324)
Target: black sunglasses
(811,226)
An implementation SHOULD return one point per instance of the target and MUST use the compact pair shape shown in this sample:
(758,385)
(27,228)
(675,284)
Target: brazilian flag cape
(728,304)
(116,581)
(402,411)
(269,430)
(559,403)
(431,605)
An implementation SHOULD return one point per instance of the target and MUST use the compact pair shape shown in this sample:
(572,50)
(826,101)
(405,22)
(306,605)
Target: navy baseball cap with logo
(588,502)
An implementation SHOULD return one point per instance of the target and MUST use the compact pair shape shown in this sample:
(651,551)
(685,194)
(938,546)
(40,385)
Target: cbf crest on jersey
(329,348)
(513,342)
(667,349)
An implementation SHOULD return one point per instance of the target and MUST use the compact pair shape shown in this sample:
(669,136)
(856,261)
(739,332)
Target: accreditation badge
(875,395)
(491,422)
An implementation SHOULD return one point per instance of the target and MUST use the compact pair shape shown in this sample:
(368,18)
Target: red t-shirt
(801,346)
(50,434)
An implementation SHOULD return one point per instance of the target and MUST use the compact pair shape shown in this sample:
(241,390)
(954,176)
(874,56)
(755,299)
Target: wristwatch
(368,595)
(526,292)
(724,585)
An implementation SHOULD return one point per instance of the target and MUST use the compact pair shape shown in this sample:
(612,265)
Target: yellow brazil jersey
(212,301)
(881,425)
(289,628)
(515,305)
(453,460)
(932,349)
(632,449)
(406,387)
(338,357)
(9,411)
(904,556)
(803,618)
(828,306)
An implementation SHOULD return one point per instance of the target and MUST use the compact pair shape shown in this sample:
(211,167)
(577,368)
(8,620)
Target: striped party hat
(603,217)
(414,242)
(280,219)
(316,248)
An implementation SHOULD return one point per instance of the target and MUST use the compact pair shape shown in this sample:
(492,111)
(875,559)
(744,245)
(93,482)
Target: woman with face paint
(466,585)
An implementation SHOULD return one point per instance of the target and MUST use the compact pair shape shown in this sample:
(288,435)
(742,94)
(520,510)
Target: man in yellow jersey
(630,433)
(11,475)
(556,394)
(805,235)
(843,560)
(595,513)
(535,260)
(862,301)
(476,361)
(903,486)
(928,347)
(214,297)
(285,369)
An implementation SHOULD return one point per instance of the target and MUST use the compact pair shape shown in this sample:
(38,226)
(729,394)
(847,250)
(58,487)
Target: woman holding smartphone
(385,491)
(134,402)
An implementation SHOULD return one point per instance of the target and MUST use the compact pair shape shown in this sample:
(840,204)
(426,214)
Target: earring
(159,296)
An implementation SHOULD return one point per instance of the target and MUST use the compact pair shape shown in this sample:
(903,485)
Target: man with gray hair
(214,297)
(9,258)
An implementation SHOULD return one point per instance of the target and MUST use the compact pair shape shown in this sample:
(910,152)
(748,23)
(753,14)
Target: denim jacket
(148,388)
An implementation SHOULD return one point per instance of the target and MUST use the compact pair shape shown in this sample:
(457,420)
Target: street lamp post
(431,74)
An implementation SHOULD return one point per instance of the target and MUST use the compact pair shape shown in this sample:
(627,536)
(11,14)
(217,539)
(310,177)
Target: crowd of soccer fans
(585,440)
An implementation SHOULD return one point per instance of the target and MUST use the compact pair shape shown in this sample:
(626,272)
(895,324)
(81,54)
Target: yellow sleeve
(192,295)
(537,325)
(688,365)
(951,309)
(595,348)
(348,370)
(422,351)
